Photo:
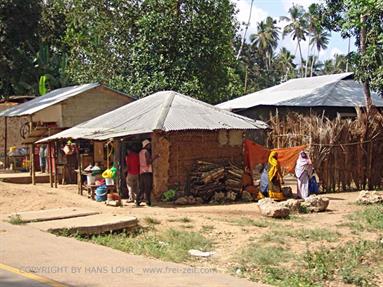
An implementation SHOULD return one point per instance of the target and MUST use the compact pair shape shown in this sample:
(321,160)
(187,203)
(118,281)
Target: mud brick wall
(13,138)
(160,145)
(91,104)
(187,147)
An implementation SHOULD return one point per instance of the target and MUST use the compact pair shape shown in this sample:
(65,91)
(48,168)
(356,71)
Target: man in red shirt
(133,166)
(146,173)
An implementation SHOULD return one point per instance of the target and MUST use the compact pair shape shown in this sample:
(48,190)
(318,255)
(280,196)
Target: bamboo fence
(346,153)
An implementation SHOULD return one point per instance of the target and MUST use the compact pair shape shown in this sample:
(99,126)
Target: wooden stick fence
(346,153)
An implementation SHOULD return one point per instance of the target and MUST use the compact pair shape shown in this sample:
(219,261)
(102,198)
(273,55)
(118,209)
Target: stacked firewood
(207,179)
(233,181)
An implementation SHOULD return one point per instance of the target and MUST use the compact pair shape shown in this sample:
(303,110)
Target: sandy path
(216,222)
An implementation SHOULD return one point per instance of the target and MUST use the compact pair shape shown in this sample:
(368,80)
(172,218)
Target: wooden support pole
(5,142)
(80,173)
(55,164)
(79,168)
(33,168)
(107,155)
(123,187)
(31,152)
(116,160)
(50,168)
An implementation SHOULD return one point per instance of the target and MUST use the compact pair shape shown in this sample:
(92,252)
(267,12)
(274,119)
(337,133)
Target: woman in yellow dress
(275,177)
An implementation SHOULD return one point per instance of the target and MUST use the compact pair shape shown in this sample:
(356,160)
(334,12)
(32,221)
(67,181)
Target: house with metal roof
(55,111)
(331,95)
(182,130)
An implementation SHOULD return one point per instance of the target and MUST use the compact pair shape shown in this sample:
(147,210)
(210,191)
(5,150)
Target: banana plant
(42,85)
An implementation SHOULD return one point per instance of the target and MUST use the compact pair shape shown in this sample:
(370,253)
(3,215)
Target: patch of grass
(303,209)
(245,221)
(172,220)
(151,221)
(207,228)
(316,234)
(16,220)
(169,245)
(284,278)
(182,220)
(65,232)
(356,263)
(369,218)
(185,220)
(189,226)
(259,255)
(273,237)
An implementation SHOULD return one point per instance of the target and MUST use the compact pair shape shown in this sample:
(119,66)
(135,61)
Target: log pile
(209,181)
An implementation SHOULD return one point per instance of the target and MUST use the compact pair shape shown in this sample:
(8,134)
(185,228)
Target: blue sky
(276,8)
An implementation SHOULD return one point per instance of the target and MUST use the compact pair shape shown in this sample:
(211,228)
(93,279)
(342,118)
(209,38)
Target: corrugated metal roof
(166,111)
(330,90)
(49,99)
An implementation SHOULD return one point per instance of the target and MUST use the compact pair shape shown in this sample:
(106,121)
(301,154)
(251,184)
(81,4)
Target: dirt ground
(221,223)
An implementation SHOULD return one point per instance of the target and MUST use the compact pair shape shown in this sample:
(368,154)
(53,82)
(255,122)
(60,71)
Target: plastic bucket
(101,193)
(109,181)
(90,179)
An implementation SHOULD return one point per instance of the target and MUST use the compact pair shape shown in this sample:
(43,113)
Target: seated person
(264,186)
(248,185)
(275,177)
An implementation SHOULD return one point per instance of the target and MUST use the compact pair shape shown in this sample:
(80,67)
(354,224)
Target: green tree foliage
(143,46)
(138,46)
(19,22)
(98,38)
(346,16)
(266,39)
(185,45)
(296,27)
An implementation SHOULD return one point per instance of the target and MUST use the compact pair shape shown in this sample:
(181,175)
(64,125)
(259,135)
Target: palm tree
(286,62)
(297,27)
(315,66)
(266,39)
(328,67)
(319,40)
(313,23)
(340,63)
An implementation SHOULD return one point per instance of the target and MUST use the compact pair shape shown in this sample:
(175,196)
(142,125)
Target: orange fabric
(251,189)
(257,154)
(246,179)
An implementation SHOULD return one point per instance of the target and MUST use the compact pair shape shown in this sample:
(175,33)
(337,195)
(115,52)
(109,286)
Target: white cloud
(257,15)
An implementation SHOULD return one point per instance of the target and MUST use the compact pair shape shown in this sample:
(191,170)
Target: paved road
(77,263)
(10,279)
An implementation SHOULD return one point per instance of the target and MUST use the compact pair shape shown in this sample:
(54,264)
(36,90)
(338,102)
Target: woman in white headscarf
(303,172)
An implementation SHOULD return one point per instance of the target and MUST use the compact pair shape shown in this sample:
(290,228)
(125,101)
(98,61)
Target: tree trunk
(312,64)
(300,53)
(363,47)
(246,75)
(348,52)
(308,54)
